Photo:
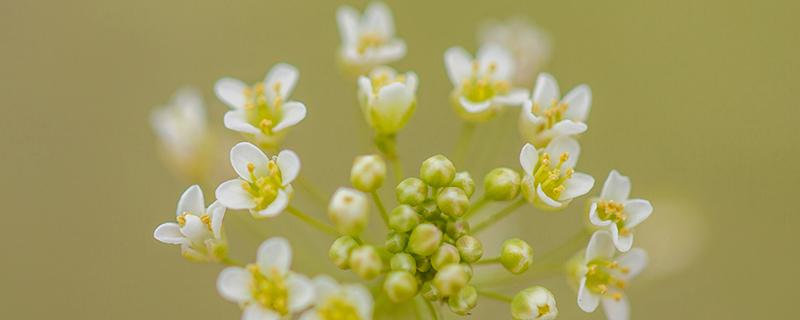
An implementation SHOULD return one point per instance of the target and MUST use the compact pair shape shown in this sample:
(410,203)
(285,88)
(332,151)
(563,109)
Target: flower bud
(470,248)
(425,239)
(403,262)
(450,279)
(429,291)
(453,201)
(400,286)
(502,184)
(366,262)
(411,191)
(396,242)
(388,99)
(349,211)
(437,171)
(445,255)
(464,301)
(516,255)
(429,210)
(534,303)
(423,264)
(368,173)
(340,251)
(467,269)
(528,189)
(457,228)
(464,182)
(403,218)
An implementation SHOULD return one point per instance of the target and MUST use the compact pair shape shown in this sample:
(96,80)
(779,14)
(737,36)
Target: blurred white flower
(264,184)
(552,185)
(182,131)
(547,115)
(198,229)
(334,301)
(534,303)
(604,276)
(387,99)
(368,40)
(529,45)
(262,112)
(267,290)
(618,214)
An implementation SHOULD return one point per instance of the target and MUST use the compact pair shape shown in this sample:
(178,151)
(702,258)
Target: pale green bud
(437,171)
(403,262)
(464,182)
(425,239)
(470,248)
(368,173)
(403,218)
(457,228)
(400,286)
(411,191)
(396,242)
(429,210)
(388,103)
(502,184)
(528,189)
(534,303)
(450,279)
(467,269)
(453,202)
(340,251)
(516,255)
(429,291)
(445,255)
(366,262)
(423,264)
(349,211)
(464,301)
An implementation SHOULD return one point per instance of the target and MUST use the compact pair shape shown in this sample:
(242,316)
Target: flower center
(204,218)
(383,79)
(552,177)
(369,40)
(613,211)
(602,277)
(264,188)
(481,86)
(338,308)
(260,112)
(542,310)
(270,290)
(552,115)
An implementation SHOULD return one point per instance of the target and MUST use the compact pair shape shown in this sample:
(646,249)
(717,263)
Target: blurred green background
(695,100)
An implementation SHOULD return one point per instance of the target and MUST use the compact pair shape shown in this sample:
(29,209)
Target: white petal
(310,314)
(491,53)
(277,206)
(245,153)
(189,98)
(546,90)
(301,292)
(216,212)
(236,120)
(191,201)
(289,164)
(292,113)
(274,253)
(516,97)
(568,128)
(412,81)
(600,245)
(378,18)
(616,188)
(623,243)
(285,76)
(325,286)
(474,107)
(564,144)
(347,19)
(528,116)
(195,229)
(391,51)
(256,312)
(458,63)
(364,86)
(231,92)
(637,211)
(361,298)
(391,106)
(635,260)
(231,194)
(233,284)
(169,233)
(578,101)
(616,310)
(594,217)
(546,199)
(528,158)
(578,185)
(587,300)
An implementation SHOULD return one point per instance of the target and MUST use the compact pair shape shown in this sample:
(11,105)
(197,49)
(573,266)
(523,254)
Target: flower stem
(475,207)
(464,140)
(397,169)
(497,216)
(495,295)
(381,208)
(432,310)
(230,262)
(314,222)
(312,191)
(387,144)
(488,261)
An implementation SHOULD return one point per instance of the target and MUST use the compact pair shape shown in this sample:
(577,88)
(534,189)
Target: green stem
(464,140)
(230,262)
(388,147)
(312,191)
(495,295)
(497,216)
(397,169)
(314,222)
(432,309)
(488,261)
(475,207)
(381,208)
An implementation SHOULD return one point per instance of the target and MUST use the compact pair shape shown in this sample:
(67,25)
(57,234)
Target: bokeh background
(695,100)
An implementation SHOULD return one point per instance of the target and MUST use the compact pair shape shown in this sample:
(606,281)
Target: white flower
(604,276)
(387,99)
(262,112)
(547,115)
(199,229)
(368,40)
(615,212)
(552,184)
(182,130)
(482,85)
(535,303)
(264,184)
(335,301)
(267,290)
(529,45)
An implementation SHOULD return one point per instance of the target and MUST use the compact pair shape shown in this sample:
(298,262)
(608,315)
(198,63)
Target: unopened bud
(470,248)
(340,251)
(349,211)
(516,255)
(396,242)
(403,218)
(450,279)
(464,301)
(366,262)
(445,255)
(429,291)
(423,264)
(502,184)
(400,286)
(437,171)
(425,239)
(534,303)
(453,202)
(429,210)
(368,173)
(411,191)
(457,228)
(403,262)
(464,182)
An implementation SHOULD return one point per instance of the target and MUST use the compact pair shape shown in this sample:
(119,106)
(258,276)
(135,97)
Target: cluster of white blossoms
(432,250)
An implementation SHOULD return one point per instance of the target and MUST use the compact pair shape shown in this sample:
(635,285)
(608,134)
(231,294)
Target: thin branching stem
(497,216)
(381,208)
(314,222)
(495,295)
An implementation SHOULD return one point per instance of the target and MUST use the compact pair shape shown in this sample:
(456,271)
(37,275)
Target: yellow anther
(182,218)
(206,219)
(276,87)
(492,67)
(259,88)
(621,284)
(563,158)
(251,167)
(542,310)
(249,105)
(616,296)
(625,270)
(247,92)
(266,125)
(602,288)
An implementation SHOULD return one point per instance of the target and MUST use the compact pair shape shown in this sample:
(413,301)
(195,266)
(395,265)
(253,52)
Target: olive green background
(695,100)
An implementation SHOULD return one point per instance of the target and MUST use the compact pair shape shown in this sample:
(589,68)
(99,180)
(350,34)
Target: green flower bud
(429,210)
(450,279)
(470,248)
(403,218)
(411,191)
(457,228)
(528,189)
(534,303)
(453,201)
(425,239)
(516,255)
(502,184)
(396,242)
(467,269)
(445,255)
(464,182)
(400,286)
(366,262)
(464,301)
(423,264)
(403,262)
(437,171)
(429,291)
(349,211)
(340,251)
(368,173)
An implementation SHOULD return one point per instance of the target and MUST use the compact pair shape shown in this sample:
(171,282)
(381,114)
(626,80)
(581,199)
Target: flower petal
(578,185)
(216,212)
(274,253)
(594,217)
(391,51)
(378,19)
(324,286)
(616,188)
(282,77)
(194,229)
(587,300)
(361,298)
(561,145)
(231,92)
(292,113)
(256,312)
(301,292)
(233,284)
(276,207)
(568,128)
(474,107)
(616,310)
(231,194)
(622,242)
(546,199)
(169,233)
(493,54)
(635,260)
(347,19)
(458,63)
(600,245)
(289,164)
(191,201)
(637,211)
(236,120)
(310,314)
(515,98)
(528,158)
(412,81)
(578,101)
(245,153)
(546,90)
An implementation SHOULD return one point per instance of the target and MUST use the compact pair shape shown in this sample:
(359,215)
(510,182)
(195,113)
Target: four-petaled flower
(264,184)
(267,289)
(368,40)
(550,180)
(387,99)
(547,115)
(335,301)
(616,212)
(198,229)
(529,45)
(182,129)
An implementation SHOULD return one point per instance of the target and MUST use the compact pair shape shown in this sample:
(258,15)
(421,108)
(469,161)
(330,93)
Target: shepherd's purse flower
(547,115)
(550,179)
(618,214)
(198,229)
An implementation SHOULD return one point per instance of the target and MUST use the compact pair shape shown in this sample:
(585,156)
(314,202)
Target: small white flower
(550,180)
(547,115)
(604,276)
(615,212)
(198,229)
(535,303)
(262,112)
(264,184)
(482,85)
(267,290)
(335,301)
(387,99)
(529,45)
(182,130)
(368,40)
